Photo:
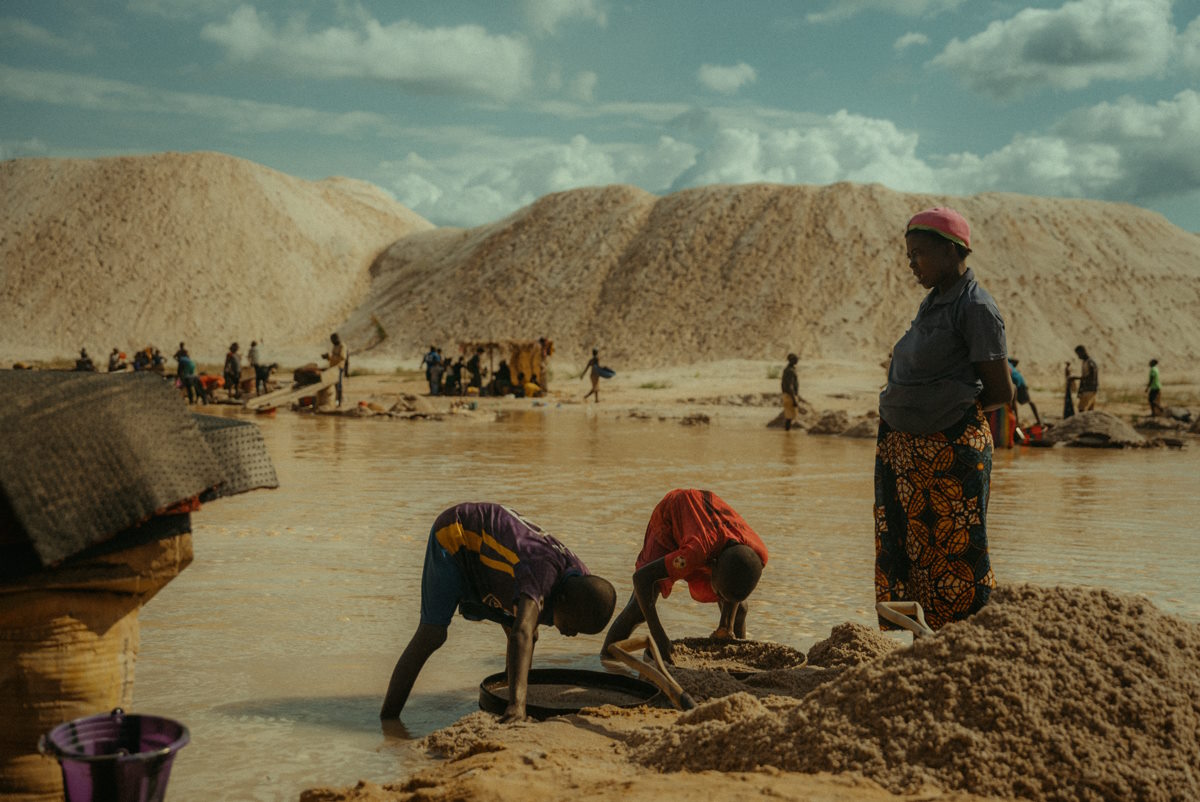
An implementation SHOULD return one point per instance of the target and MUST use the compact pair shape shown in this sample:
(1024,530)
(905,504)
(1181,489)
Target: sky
(467,111)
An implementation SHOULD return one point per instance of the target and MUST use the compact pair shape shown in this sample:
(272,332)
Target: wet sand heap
(1047,693)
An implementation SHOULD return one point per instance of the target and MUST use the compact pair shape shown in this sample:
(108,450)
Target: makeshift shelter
(100,476)
(531,357)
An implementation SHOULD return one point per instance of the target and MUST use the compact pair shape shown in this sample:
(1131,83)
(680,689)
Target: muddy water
(276,644)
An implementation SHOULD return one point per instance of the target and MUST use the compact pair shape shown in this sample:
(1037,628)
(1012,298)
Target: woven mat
(89,455)
(242,454)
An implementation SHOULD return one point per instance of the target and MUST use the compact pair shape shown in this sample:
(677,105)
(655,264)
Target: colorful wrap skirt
(931,496)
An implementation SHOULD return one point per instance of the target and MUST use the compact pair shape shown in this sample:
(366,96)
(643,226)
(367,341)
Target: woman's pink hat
(944,222)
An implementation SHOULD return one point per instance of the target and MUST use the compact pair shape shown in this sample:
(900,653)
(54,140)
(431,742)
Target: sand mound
(1094,429)
(726,272)
(1049,694)
(198,247)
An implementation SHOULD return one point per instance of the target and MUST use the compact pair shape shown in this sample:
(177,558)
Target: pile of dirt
(1047,693)
(1094,429)
(739,656)
(755,271)
(199,247)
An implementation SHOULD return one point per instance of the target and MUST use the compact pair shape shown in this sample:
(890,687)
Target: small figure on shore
(1022,393)
(85,363)
(594,366)
(502,381)
(428,361)
(1154,389)
(116,361)
(1088,380)
(475,371)
(490,563)
(233,371)
(695,536)
(158,362)
(933,455)
(191,381)
(262,369)
(789,386)
(339,357)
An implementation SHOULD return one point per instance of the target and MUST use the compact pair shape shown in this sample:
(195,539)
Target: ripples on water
(276,644)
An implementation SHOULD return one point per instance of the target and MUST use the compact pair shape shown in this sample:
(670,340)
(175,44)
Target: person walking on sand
(189,378)
(594,366)
(1154,389)
(1088,380)
(695,536)
(490,563)
(1022,393)
(233,371)
(789,385)
(475,370)
(262,369)
(933,455)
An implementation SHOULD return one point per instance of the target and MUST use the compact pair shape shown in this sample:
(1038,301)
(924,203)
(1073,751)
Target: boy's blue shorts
(442,585)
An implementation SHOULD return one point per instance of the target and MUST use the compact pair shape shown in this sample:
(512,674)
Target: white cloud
(12,28)
(1065,48)
(910,40)
(1189,47)
(460,60)
(102,94)
(726,80)
(546,15)
(583,86)
(845,9)
(20,149)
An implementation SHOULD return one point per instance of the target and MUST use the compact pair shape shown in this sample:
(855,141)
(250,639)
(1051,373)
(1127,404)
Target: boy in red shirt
(695,536)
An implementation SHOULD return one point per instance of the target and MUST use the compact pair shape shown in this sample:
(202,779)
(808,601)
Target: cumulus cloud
(1065,48)
(460,60)
(910,40)
(845,9)
(546,15)
(101,94)
(726,80)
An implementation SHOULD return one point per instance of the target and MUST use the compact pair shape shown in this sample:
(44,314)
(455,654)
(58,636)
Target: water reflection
(275,646)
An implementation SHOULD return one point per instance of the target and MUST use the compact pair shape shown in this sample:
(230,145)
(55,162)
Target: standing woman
(933,458)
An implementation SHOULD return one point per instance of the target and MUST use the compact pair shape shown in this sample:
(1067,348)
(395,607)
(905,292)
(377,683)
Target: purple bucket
(115,757)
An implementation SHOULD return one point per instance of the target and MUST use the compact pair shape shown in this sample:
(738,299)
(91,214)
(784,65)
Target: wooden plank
(329,377)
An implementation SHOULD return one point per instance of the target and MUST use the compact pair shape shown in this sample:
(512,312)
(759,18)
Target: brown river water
(275,645)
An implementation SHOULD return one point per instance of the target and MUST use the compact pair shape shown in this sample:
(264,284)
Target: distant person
(428,361)
(338,357)
(190,379)
(1088,380)
(933,456)
(116,361)
(436,369)
(490,563)
(233,371)
(502,381)
(262,368)
(455,377)
(158,362)
(141,360)
(1154,389)
(594,366)
(696,537)
(475,370)
(789,386)
(530,387)
(85,363)
(1022,393)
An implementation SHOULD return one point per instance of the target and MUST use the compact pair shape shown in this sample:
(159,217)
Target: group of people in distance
(932,477)
(446,376)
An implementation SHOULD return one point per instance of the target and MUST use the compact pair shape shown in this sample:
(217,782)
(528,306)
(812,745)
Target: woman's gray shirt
(931,381)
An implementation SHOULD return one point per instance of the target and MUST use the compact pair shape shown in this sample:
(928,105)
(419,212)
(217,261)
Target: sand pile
(727,272)
(198,247)
(1047,693)
(1095,429)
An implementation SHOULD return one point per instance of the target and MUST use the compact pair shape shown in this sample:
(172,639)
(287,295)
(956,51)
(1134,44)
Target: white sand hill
(207,248)
(759,270)
(199,247)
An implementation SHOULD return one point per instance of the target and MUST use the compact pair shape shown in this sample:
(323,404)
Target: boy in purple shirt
(488,562)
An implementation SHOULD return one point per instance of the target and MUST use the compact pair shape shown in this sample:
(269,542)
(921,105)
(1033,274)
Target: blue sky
(466,111)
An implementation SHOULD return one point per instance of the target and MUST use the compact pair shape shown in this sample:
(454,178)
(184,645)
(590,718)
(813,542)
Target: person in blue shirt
(1022,393)
(933,457)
